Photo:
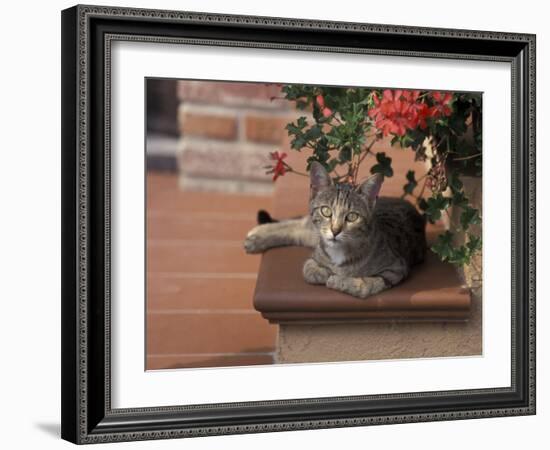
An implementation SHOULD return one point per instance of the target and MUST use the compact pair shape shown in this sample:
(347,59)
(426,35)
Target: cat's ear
(370,189)
(319,178)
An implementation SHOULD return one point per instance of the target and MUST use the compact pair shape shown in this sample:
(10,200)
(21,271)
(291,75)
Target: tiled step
(173,332)
(200,282)
(202,226)
(200,291)
(188,256)
(163,195)
(207,360)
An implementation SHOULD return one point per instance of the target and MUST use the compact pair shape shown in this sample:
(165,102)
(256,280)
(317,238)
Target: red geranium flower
(325,111)
(279,169)
(422,111)
(441,104)
(397,111)
(400,110)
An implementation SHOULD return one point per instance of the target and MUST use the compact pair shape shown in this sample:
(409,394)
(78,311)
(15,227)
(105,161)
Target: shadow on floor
(53,429)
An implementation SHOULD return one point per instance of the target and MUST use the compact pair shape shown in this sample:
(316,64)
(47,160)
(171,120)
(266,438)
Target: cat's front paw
(255,241)
(337,282)
(252,244)
(358,287)
(314,273)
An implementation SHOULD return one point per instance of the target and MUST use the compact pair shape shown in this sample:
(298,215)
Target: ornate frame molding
(87,421)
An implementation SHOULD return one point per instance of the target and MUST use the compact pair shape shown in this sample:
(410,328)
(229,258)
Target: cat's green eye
(326,211)
(352,217)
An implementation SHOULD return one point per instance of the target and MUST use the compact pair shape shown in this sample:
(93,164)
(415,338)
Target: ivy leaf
(459,256)
(459,199)
(422,204)
(411,183)
(469,216)
(443,246)
(434,206)
(383,166)
(455,183)
(474,243)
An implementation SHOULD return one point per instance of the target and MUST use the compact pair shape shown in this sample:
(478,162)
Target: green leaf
(345,154)
(313,133)
(459,199)
(443,246)
(383,166)
(454,182)
(422,204)
(298,143)
(459,256)
(296,128)
(474,243)
(434,206)
(321,146)
(469,216)
(302,122)
(411,183)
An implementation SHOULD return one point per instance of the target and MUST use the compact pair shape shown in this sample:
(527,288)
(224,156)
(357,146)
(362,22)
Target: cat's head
(341,212)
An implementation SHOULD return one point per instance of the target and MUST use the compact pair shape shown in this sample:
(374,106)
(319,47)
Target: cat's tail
(264,217)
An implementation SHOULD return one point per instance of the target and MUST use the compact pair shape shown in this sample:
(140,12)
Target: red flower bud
(320,101)
(327,112)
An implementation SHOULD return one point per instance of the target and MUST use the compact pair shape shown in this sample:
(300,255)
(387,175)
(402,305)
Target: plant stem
(363,155)
(467,157)
(302,174)
(423,187)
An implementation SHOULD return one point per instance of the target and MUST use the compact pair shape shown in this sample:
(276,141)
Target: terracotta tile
(168,292)
(155,362)
(179,256)
(209,333)
(163,194)
(216,227)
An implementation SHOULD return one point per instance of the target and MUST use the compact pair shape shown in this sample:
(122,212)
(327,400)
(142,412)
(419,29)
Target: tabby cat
(361,244)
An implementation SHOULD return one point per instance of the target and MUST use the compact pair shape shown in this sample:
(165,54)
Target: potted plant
(442,128)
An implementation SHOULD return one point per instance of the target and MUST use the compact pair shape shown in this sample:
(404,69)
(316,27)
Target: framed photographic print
(281,224)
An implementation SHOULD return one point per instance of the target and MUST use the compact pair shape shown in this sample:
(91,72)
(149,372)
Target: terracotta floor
(200,281)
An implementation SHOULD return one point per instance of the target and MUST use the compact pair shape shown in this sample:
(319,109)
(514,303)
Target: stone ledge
(432,293)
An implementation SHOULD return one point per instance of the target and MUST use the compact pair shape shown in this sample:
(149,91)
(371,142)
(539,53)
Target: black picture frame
(87,415)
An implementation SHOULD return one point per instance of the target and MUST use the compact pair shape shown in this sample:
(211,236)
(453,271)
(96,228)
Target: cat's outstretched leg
(314,273)
(280,234)
(358,287)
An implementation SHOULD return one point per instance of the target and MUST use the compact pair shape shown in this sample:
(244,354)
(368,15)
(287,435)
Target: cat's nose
(336,230)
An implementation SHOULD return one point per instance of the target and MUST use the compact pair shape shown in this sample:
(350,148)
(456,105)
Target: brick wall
(227,131)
